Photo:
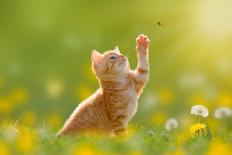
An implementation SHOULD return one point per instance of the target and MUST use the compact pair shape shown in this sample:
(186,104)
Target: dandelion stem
(203,132)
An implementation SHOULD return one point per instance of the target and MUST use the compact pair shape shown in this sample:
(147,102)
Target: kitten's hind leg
(70,128)
(119,125)
(65,131)
(120,132)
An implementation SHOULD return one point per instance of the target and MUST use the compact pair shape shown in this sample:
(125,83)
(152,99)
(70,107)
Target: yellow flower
(177,152)
(5,104)
(84,150)
(135,153)
(217,148)
(19,95)
(196,128)
(225,100)
(4,150)
(26,141)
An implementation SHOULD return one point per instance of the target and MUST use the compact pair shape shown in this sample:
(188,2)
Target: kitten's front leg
(141,73)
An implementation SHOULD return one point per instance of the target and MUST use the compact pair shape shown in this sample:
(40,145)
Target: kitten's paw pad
(142,41)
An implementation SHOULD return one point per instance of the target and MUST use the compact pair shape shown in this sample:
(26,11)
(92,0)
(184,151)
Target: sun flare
(213,19)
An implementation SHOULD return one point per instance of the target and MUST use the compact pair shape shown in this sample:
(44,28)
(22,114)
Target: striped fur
(114,104)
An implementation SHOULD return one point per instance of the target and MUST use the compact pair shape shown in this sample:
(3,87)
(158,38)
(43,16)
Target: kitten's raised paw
(142,41)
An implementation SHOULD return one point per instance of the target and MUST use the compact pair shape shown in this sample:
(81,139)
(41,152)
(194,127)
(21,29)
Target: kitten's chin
(123,72)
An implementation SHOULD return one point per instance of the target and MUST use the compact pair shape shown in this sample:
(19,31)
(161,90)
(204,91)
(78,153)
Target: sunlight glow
(213,18)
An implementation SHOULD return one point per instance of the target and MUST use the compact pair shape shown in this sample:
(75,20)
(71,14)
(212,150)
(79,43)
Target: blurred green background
(45,72)
(45,48)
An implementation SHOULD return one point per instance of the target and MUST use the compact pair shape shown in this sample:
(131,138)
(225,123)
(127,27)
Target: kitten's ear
(96,57)
(116,49)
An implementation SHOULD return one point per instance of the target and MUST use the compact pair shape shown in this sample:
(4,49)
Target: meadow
(45,72)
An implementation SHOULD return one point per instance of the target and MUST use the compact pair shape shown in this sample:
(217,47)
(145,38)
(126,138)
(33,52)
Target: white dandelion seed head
(54,88)
(222,112)
(200,110)
(171,124)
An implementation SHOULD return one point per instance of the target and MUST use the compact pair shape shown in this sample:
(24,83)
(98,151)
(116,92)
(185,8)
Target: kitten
(113,105)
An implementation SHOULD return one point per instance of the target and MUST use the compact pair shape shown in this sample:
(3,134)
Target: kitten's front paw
(142,42)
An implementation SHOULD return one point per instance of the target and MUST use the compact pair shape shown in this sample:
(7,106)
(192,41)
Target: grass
(147,140)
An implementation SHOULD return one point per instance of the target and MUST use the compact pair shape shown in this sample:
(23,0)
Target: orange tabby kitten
(113,105)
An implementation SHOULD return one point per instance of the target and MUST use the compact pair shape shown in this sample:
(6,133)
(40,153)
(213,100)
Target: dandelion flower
(26,141)
(222,112)
(197,128)
(217,147)
(199,110)
(171,124)
(85,149)
(4,149)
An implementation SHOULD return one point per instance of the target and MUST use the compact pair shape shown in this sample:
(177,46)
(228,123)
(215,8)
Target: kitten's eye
(113,57)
